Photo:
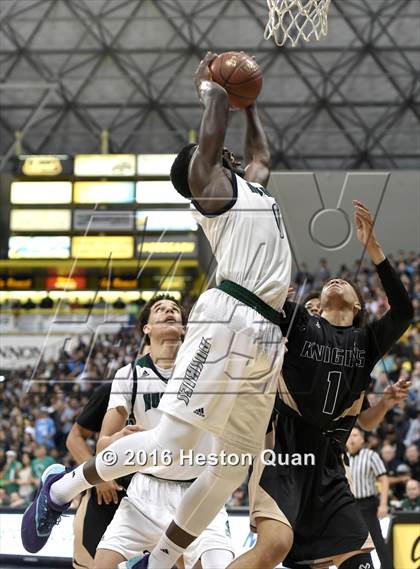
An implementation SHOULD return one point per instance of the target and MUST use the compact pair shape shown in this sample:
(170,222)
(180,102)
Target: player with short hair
(226,371)
(149,320)
(370,415)
(147,509)
(305,513)
(99,504)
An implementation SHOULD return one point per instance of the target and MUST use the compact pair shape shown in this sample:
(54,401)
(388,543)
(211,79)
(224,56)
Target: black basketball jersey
(326,370)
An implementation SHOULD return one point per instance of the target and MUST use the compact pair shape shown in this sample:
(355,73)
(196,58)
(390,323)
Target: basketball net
(292,20)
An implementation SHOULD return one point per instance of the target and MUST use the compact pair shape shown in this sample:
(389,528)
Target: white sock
(165,554)
(200,504)
(170,434)
(68,486)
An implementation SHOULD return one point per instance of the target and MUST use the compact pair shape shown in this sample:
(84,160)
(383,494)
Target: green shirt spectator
(412,501)
(41,462)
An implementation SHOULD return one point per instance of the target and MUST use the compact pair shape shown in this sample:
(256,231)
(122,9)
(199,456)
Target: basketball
(240,75)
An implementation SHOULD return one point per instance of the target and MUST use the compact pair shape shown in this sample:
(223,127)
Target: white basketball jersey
(151,385)
(249,242)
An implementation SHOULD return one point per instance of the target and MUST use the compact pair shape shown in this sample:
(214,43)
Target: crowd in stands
(36,416)
(48,303)
(47,306)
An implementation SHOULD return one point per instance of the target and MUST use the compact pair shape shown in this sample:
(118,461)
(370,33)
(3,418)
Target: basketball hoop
(292,20)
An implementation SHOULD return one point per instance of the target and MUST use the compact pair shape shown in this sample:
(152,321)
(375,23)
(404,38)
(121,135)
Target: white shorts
(226,371)
(148,510)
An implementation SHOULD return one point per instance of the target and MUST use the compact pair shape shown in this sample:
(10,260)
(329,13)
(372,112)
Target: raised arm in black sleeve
(383,333)
(94,411)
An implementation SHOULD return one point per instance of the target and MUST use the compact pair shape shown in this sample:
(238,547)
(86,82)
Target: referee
(367,469)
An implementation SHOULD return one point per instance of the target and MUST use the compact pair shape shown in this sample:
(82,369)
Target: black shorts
(315,500)
(90,523)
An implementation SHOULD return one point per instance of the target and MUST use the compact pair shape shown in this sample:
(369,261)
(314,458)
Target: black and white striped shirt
(366,466)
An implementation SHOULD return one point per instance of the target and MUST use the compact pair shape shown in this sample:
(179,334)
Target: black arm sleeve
(294,314)
(94,411)
(385,332)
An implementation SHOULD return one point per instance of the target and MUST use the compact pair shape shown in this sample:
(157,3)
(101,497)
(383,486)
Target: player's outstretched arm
(114,427)
(388,329)
(256,151)
(207,181)
(371,418)
(81,452)
(76,443)
(365,233)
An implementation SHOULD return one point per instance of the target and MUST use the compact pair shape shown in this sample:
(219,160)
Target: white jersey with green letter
(151,501)
(249,242)
(152,382)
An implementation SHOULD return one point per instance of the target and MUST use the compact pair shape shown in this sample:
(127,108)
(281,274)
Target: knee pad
(359,561)
(232,462)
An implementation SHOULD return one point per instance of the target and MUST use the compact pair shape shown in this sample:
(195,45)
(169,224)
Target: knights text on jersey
(327,368)
(249,242)
(325,372)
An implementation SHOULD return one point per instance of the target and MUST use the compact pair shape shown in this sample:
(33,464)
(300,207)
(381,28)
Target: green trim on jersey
(250,299)
(147,362)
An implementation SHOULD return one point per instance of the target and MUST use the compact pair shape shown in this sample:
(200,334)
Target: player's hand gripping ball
(240,75)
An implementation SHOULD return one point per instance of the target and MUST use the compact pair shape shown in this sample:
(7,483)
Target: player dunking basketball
(306,514)
(226,371)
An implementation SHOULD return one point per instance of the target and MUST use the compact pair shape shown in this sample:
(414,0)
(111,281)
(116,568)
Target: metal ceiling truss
(126,66)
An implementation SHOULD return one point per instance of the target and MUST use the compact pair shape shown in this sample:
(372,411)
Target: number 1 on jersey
(334,380)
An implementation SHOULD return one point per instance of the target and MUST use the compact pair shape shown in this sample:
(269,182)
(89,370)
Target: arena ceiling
(70,69)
